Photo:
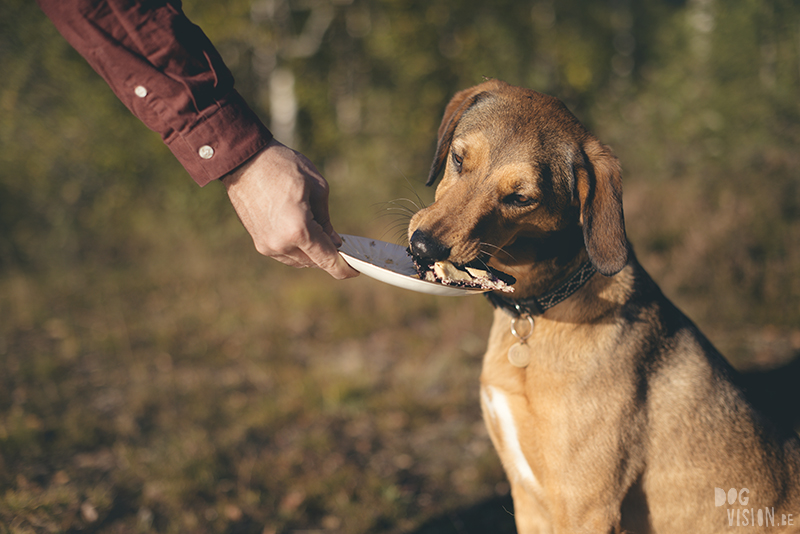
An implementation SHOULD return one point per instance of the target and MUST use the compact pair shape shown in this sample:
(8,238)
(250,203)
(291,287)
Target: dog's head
(523,183)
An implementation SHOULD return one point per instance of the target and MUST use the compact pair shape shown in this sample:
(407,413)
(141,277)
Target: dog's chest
(524,408)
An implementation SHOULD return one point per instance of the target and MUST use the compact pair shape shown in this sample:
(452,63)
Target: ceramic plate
(392,265)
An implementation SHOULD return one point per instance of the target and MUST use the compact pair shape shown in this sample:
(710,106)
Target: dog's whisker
(398,234)
(496,252)
(399,211)
(400,206)
(420,203)
(485,244)
(398,202)
(394,213)
(486,253)
(399,224)
(406,213)
(405,217)
(399,227)
(483,262)
(394,216)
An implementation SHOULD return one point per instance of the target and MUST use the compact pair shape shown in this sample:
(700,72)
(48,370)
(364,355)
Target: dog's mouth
(473,275)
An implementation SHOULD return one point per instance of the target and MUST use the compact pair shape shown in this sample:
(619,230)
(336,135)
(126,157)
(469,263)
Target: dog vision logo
(739,515)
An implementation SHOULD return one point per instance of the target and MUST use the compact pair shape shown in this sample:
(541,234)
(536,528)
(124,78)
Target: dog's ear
(599,191)
(458,105)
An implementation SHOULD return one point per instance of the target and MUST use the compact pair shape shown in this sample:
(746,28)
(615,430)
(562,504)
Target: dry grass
(208,390)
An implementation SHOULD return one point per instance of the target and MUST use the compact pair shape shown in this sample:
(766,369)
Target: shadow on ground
(493,515)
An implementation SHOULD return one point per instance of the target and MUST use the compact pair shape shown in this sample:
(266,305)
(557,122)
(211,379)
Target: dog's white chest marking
(496,404)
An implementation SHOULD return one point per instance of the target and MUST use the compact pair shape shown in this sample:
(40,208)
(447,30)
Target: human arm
(167,72)
(169,75)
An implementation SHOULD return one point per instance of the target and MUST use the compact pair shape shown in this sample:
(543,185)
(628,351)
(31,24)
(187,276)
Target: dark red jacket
(167,72)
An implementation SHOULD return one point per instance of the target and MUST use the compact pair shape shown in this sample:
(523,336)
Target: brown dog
(613,413)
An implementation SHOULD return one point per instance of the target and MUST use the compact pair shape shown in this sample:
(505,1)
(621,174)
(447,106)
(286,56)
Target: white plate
(392,264)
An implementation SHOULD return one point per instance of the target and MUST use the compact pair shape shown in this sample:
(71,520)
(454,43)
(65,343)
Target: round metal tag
(519,355)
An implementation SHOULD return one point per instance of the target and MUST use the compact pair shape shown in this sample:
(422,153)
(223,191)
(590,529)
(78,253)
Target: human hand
(282,201)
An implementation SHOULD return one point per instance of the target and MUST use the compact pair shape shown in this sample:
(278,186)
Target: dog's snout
(425,247)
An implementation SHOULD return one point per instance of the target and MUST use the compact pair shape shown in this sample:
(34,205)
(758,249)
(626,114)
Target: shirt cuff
(219,141)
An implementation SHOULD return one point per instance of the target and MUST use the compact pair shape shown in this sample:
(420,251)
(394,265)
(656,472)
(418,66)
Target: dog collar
(537,305)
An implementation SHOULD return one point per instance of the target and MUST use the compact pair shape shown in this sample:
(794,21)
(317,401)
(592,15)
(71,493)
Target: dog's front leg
(529,515)
(564,489)
(498,408)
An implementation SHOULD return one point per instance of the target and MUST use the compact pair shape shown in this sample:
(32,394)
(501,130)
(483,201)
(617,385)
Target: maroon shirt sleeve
(167,72)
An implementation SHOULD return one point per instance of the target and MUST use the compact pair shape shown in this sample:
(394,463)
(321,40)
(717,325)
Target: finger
(322,251)
(336,238)
(299,261)
(333,263)
(310,246)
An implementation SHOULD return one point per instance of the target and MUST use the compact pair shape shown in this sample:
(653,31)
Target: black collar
(537,305)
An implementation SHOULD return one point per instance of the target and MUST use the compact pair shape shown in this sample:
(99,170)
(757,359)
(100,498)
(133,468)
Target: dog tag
(519,355)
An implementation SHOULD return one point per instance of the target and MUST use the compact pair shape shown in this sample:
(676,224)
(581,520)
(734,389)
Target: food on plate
(445,272)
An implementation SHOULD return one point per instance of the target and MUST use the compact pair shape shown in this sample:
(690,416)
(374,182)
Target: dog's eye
(517,200)
(458,161)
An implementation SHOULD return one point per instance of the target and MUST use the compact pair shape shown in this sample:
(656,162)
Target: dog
(609,409)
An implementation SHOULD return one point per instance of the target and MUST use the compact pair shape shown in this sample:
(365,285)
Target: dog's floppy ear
(458,105)
(599,191)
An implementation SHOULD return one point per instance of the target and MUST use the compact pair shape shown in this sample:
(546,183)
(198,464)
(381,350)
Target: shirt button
(140,91)
(206,152)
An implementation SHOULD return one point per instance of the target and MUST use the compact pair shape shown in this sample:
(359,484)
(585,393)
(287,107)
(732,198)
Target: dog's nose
(425,247)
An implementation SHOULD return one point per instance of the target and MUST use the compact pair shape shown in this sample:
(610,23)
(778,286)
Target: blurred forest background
(158,375)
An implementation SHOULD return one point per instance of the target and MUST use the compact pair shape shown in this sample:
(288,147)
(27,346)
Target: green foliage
(709,142)
(159,376)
